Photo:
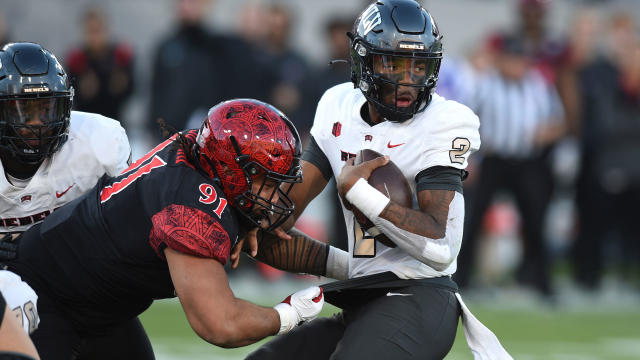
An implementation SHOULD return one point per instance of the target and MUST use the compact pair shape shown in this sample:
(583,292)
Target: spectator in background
(456,80)
(548,51)
(289,67)
(101,70)
(250,24)
(254,29)
(194,68)
(183,67)
(330,73)
(5,38)
(521,118)
(608,190)
(316,84)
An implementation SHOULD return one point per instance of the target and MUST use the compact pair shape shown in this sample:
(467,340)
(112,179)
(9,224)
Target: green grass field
(528,330)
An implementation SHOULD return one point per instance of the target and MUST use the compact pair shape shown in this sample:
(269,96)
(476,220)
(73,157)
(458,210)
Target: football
(390,181)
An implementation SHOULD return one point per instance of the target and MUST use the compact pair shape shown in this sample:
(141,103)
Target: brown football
(390,181)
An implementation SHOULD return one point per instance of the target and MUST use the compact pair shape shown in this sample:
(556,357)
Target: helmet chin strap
(390,113)
(16,168)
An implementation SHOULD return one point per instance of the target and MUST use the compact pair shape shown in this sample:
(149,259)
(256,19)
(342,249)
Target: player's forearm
(12,336)
(301,254)
(429,235)
(415,221)
(430,222)
(437,252)
(246,324)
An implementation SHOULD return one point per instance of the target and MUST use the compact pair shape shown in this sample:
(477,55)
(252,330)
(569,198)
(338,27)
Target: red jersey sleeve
(189,231)
(76,62)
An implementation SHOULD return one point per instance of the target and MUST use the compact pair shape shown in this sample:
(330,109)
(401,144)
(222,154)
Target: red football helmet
(240,141)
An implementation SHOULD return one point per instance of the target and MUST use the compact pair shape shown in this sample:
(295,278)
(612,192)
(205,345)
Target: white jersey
(444,134)
(96,145)
(21,299)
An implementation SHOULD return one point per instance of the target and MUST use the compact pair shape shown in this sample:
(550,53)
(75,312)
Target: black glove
(8,247)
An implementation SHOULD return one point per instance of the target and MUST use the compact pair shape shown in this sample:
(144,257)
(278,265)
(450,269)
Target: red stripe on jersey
(190,231)
(108,191)
(151,153)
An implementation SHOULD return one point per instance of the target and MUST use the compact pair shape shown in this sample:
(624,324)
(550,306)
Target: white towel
(483,343)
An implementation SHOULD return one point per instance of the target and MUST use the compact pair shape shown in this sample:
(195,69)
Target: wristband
(367,199)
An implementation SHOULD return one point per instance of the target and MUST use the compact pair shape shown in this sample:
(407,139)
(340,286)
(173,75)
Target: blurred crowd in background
(554,191)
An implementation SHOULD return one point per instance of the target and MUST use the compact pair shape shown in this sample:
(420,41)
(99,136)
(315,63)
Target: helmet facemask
(33,128)
(261,205)
(35,105)
(398,84)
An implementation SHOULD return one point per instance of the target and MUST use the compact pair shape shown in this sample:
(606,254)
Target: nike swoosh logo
(392,146)
(397,294)
(59,194)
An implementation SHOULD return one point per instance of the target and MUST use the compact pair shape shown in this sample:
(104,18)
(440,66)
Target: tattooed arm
(432,235)
(430,221)
(302,254)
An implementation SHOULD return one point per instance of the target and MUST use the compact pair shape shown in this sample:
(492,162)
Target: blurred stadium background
(593,316)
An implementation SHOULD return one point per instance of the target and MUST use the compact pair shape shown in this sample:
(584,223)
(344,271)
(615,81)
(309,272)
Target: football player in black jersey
(163,228)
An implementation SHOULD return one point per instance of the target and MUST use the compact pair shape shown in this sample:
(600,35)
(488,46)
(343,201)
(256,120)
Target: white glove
(302,306)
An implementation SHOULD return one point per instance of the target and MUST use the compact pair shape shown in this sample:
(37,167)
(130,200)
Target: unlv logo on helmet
(370,18)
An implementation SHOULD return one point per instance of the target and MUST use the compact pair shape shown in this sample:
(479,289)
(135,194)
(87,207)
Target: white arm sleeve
(436,253)
(337,264)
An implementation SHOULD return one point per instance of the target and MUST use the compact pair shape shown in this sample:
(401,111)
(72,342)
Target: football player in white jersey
(401,302)
(49,155)
(14,342)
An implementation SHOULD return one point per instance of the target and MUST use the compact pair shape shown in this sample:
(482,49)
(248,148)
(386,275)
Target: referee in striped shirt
(520,118)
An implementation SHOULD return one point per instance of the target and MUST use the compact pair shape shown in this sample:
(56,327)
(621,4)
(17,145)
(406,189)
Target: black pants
(606,220)
(419,326)
(530,182)
(56,338)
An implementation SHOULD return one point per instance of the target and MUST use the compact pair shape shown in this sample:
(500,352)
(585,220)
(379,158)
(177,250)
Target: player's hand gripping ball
(390,181)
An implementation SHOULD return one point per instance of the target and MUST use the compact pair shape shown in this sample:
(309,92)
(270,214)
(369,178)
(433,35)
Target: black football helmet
(396,51)
(35,102)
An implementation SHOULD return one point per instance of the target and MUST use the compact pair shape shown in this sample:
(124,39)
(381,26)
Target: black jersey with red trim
(100,257)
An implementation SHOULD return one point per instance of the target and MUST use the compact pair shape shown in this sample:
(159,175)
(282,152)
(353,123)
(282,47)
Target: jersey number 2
(459,146)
